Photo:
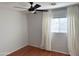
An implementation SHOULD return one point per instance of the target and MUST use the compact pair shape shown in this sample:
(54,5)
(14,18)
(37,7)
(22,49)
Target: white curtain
(73,30)
(46,37)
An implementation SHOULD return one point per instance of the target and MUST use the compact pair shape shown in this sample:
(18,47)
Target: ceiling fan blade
(37,6)
(42,10)
(20,7)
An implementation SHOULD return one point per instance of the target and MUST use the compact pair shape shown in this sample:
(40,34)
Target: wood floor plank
(33,51)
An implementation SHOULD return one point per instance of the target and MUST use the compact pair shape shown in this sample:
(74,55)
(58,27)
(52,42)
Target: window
(59,25)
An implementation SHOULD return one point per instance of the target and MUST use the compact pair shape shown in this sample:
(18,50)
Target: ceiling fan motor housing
(31,9)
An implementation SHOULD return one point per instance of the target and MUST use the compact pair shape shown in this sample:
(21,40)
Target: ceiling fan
(34,8)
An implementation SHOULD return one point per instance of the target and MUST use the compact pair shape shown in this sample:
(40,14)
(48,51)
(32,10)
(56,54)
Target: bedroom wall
(59,43)
(35,29)
(13,31)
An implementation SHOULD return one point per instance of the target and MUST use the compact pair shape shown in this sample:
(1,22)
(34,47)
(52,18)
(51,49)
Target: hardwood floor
(33,51)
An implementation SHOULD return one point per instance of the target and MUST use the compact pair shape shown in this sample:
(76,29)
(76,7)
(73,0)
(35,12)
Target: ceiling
(44,5)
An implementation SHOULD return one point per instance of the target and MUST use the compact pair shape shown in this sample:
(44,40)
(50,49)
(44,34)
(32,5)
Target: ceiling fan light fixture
(32,12)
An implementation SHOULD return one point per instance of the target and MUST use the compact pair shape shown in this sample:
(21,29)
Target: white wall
(59,42)
(13,31)
(35,29)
